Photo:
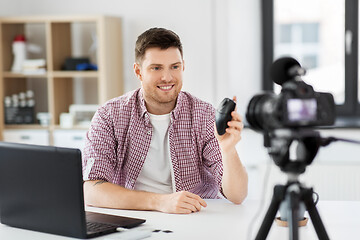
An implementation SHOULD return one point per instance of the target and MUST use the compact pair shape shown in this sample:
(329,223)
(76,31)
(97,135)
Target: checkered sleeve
(212,158)
(99,158)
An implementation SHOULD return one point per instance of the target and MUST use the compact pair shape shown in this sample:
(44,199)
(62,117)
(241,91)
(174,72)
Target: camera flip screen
(301,109)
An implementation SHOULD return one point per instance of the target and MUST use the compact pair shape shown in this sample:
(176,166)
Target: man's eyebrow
(155,64)
(159,64)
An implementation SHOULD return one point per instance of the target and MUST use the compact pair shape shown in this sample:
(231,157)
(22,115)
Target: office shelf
(25,126)
(84,74)
(21,75)
(55,90)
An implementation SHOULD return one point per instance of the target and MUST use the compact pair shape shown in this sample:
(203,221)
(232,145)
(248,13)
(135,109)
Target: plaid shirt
(120,134)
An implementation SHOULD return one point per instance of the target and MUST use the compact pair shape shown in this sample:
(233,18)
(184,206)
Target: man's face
(160,73)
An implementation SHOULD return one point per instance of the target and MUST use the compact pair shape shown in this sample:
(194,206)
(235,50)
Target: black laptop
(41,189)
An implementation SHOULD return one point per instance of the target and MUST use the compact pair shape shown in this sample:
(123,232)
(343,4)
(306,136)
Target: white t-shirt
(157,173)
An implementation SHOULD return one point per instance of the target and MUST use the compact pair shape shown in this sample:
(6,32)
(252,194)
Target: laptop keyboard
(99,227)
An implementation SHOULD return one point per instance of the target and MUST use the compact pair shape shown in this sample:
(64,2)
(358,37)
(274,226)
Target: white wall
(221,47)
(245,50)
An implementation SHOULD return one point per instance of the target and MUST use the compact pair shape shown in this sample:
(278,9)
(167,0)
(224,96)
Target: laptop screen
(41,189)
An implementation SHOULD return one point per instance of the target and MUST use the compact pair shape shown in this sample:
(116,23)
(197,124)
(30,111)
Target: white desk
(223,220)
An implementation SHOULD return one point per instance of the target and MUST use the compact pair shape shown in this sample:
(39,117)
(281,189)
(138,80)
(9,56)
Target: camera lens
(252,112)
(262,112)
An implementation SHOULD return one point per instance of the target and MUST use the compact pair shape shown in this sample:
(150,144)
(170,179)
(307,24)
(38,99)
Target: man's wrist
(154,201)
(228,152)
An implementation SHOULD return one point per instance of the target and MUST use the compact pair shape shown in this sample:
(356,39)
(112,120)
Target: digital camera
(297,105)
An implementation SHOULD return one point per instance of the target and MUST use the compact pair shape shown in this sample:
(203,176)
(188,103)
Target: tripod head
(294,149)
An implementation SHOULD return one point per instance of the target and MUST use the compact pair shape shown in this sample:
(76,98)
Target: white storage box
(70,138)
(38,136)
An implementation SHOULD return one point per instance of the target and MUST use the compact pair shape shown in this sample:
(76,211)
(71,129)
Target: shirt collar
(174,113)
(179,103)
(142,105)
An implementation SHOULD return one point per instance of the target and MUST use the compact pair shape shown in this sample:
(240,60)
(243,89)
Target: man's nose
(167,75)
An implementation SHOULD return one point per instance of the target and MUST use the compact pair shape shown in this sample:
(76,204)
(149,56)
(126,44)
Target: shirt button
(149,132)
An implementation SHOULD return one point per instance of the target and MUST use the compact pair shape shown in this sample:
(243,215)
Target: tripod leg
(314,215)
(279,192)
(293,216)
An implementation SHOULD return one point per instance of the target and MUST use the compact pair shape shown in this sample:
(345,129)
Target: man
(156,148)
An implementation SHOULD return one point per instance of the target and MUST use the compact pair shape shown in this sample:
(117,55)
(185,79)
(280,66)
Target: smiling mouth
(166,88)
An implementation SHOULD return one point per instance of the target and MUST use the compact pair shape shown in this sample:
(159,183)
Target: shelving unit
(61,37)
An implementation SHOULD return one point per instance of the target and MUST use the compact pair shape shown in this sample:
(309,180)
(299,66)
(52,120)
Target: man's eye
(156,68)
(176,67)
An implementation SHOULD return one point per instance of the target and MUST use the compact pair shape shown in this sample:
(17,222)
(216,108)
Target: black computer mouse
(223,114)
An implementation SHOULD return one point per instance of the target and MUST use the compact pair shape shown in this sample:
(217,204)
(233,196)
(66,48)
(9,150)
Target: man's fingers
(202,202)
(234,99)
(189,206)
(236,116)
(236,125)
(181,210)
(197,198)
(185,202)
(193,202)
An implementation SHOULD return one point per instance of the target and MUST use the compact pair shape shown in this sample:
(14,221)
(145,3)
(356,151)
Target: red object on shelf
(19,38)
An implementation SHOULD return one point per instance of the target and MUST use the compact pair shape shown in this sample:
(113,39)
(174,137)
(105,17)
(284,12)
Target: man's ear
(183,65)
(137,71)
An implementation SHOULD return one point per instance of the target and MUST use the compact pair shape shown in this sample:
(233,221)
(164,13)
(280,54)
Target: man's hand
(181,202)
(235,179)
(232,136)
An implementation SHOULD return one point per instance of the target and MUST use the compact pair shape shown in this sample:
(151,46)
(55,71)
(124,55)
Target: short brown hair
(156,37)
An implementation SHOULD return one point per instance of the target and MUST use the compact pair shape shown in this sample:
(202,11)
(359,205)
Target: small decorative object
(44,118)
(83,113)
(66,120)
(34,66)
(93,48)
(19,51)
(71,63)
(21,64)
(20,108)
